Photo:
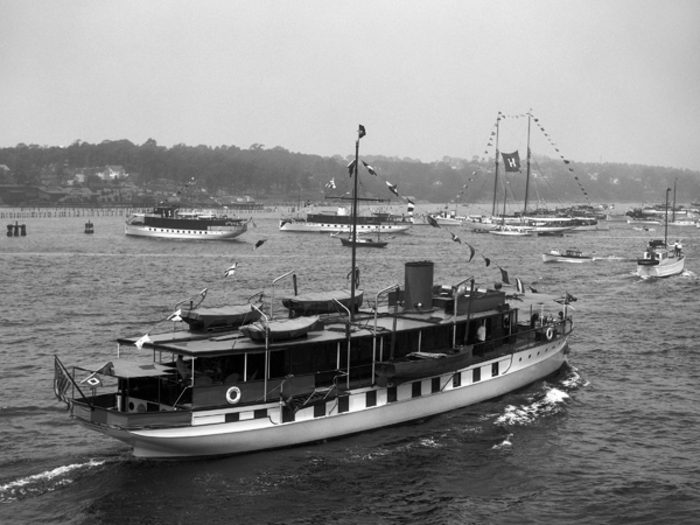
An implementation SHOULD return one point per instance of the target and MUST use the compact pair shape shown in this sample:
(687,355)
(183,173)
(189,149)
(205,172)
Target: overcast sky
(609,80)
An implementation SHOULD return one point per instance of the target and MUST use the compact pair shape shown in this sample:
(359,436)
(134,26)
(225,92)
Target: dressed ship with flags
(175,220)
(344,218)
(411,352)
(541,222)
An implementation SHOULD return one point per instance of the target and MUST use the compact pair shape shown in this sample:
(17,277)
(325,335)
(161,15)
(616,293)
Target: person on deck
(182,368)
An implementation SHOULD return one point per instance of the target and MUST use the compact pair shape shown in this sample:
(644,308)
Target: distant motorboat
(569,256)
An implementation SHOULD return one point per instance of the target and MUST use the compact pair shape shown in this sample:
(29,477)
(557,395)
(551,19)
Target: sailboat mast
(527,178)
(673,209)
(666,221)
(353,273)
(495,179)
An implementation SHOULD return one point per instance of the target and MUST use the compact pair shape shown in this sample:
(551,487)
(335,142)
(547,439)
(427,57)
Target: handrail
(272,301)
(376,314)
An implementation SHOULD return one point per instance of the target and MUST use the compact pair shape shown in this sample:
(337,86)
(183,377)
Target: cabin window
(320,410)
(232,369)
(255,367)
(278,365)
(371,398)
(476,375)
(416,390)
(494,369)
(391,394)
(435,384)
(343,404)
(309,359)
(436,338)
(260,414)
(457,380)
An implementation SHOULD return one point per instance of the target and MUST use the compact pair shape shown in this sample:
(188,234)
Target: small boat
(89,228)
(569,256)
(361,242)
(658,260)
(279,330)
(315,303)
(219,318)
(170,221)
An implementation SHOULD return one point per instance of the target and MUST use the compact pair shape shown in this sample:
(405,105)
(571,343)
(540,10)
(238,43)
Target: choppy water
(611,439)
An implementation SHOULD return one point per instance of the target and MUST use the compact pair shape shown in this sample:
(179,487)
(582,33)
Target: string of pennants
(536,120)
(505,278)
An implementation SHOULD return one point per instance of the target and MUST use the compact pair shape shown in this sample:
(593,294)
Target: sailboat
(416,351)
(658,260)
(689,220)
(539,224)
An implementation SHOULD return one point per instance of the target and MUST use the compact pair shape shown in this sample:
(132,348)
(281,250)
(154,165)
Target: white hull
(300,226)
(549,258)
(211,435)
(216,233)
(665,269)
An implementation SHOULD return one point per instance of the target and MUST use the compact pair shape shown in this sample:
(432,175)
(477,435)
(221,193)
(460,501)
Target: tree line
(263,172)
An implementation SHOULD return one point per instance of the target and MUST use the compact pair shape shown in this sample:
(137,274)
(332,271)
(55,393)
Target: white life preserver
(232,400)
(549,333)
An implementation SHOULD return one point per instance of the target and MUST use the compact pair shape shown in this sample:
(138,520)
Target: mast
(527,178)
(673,209)
(495,179)
(353,274)
(668,190)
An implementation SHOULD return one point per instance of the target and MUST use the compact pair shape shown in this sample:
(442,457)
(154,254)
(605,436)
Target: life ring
(549,333)
(232,400)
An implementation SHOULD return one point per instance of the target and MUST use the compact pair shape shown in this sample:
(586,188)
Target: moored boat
(342,221)
(361,242)
(170,221)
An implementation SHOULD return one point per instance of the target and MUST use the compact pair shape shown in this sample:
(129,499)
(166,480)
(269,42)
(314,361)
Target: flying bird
(259,244)
(455,238)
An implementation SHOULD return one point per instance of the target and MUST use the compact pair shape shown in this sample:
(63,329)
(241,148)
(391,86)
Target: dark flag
(569,298)
(486,260)
(369,168)
(431,220)
(472,252)
(351,167)
(504,275)
(392,188)
(511,161)
(259,244)
(532,289)
(361,132)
